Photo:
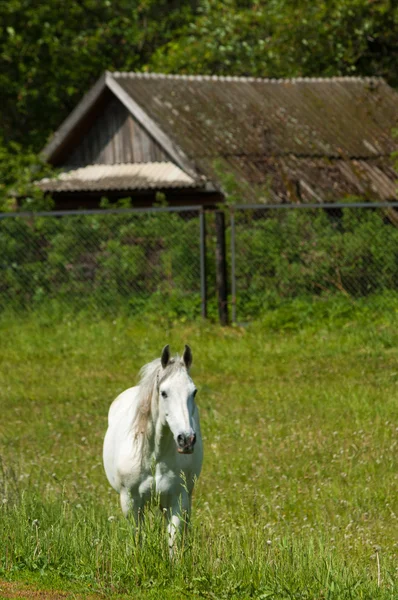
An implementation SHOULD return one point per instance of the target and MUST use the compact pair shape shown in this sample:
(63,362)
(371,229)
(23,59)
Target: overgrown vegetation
(150,263)
(130,262)
(298,494)
(292,253)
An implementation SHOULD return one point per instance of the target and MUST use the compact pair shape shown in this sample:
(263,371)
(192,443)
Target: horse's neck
(161,438)
(157,432)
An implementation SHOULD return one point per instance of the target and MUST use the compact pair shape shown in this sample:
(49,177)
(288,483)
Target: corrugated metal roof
(120,177)
(324,138)
(216,116)
(302,179)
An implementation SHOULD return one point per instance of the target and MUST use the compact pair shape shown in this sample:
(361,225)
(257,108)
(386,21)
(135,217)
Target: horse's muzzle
(186,443)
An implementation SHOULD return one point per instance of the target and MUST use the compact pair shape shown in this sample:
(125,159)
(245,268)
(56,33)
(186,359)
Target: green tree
(19,168)
(287,38)
(51,52)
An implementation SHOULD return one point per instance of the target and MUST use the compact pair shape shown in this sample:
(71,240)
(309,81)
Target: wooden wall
(114,138)
(140,198)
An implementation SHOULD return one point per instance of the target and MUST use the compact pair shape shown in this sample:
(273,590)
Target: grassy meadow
(298,498)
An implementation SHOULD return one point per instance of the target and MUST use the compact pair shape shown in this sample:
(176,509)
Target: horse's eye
(194,393)
(164,395)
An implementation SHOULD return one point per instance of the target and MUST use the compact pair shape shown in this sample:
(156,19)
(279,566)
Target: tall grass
(298,496)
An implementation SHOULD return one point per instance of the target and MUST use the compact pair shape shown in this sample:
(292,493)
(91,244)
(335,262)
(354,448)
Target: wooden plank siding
(115,138)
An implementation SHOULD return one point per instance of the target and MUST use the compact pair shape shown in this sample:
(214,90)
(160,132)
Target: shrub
(150,262)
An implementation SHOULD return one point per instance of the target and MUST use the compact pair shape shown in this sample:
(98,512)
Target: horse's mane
(151,376)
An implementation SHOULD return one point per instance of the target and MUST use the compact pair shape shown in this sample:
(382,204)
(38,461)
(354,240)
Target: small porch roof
(135,176)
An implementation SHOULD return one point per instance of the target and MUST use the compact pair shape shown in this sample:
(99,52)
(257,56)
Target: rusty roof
(119,177)
(326,138)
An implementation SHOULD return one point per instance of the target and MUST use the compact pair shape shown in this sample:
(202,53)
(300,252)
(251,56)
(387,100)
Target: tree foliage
(19,168)
(52,51)
(287,38)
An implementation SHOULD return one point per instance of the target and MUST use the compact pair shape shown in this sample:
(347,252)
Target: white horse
(153,443)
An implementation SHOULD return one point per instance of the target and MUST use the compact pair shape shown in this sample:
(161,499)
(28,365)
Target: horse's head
(177,398)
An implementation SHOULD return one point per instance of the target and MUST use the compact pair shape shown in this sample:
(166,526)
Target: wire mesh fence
(105,259)
(163,259)
(282,253)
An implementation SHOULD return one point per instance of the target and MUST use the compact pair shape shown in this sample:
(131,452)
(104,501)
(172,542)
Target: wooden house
(203,139)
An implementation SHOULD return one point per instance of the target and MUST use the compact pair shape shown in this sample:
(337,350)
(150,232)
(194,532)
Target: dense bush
(103,261)
(285,254)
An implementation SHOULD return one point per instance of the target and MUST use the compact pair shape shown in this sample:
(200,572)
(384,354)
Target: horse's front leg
(179,515)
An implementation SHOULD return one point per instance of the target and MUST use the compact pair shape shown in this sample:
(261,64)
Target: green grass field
(298,495)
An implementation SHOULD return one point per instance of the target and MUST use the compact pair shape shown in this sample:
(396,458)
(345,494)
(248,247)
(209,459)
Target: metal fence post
(221,268)
(233,265)
(203,274)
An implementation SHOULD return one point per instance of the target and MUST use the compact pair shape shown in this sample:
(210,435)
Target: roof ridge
(154,75)
(121,164)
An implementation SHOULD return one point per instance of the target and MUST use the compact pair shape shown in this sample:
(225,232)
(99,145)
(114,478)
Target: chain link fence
(163,259)
(281,253)
(104,260)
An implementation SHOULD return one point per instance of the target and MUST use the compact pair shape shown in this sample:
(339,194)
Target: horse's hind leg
(131,508)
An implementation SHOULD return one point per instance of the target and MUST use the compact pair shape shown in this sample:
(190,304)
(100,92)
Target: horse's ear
(165,357)
(187,356)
